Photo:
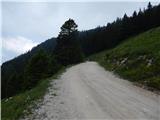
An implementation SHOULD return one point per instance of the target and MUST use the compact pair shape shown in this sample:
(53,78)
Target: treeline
(13,72)
(16,66)
(100,38)
(70,47)
(42,64)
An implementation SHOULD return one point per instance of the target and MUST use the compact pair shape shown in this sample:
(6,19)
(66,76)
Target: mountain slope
(18,64)
(91,41)
(136,59)
(48,46)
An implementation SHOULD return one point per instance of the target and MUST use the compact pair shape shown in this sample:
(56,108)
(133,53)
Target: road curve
(87,91)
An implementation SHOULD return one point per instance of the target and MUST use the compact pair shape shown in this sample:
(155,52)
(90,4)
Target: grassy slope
(16,106)
(136,59)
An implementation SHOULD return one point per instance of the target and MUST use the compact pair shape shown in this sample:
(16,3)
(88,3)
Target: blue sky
(26,24)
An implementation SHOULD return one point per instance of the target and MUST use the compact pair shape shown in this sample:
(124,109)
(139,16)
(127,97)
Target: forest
(71,47)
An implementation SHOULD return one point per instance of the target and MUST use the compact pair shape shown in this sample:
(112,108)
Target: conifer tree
(37,68)
(68,50)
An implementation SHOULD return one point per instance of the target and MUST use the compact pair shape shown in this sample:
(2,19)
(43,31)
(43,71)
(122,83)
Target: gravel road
(87,91)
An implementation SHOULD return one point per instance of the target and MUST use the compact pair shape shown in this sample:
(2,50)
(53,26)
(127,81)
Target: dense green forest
(24,71)
(109,36)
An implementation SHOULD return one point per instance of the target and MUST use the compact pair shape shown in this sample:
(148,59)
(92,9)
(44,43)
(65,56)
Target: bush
(40,66)
(154,82)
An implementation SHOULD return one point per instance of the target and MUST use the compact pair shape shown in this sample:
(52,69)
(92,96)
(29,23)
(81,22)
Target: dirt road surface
(86,91)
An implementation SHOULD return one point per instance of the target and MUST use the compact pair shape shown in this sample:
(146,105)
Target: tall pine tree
(68,50)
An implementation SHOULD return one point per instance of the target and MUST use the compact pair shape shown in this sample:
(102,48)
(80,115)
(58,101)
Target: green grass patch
(136,59)
(16,106)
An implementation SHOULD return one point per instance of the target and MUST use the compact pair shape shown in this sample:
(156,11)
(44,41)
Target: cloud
(18,44)
(40,21)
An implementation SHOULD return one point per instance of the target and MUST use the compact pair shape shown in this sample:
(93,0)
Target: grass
(136,59)
(21,104)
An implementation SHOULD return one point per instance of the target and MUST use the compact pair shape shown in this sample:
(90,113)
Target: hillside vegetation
(24,78)
(78,45)
(21,104)
(22,90)
(136,59)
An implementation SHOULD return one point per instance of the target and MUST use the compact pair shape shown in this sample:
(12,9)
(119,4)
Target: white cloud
(40,21)
(17,45)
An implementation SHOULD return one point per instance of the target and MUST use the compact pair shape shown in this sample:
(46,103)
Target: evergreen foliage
(37,68)
(40,66)
(68,50)
(70,43)
(106,37)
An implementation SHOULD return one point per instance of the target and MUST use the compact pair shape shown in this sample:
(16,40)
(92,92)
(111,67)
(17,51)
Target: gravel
(87,91)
